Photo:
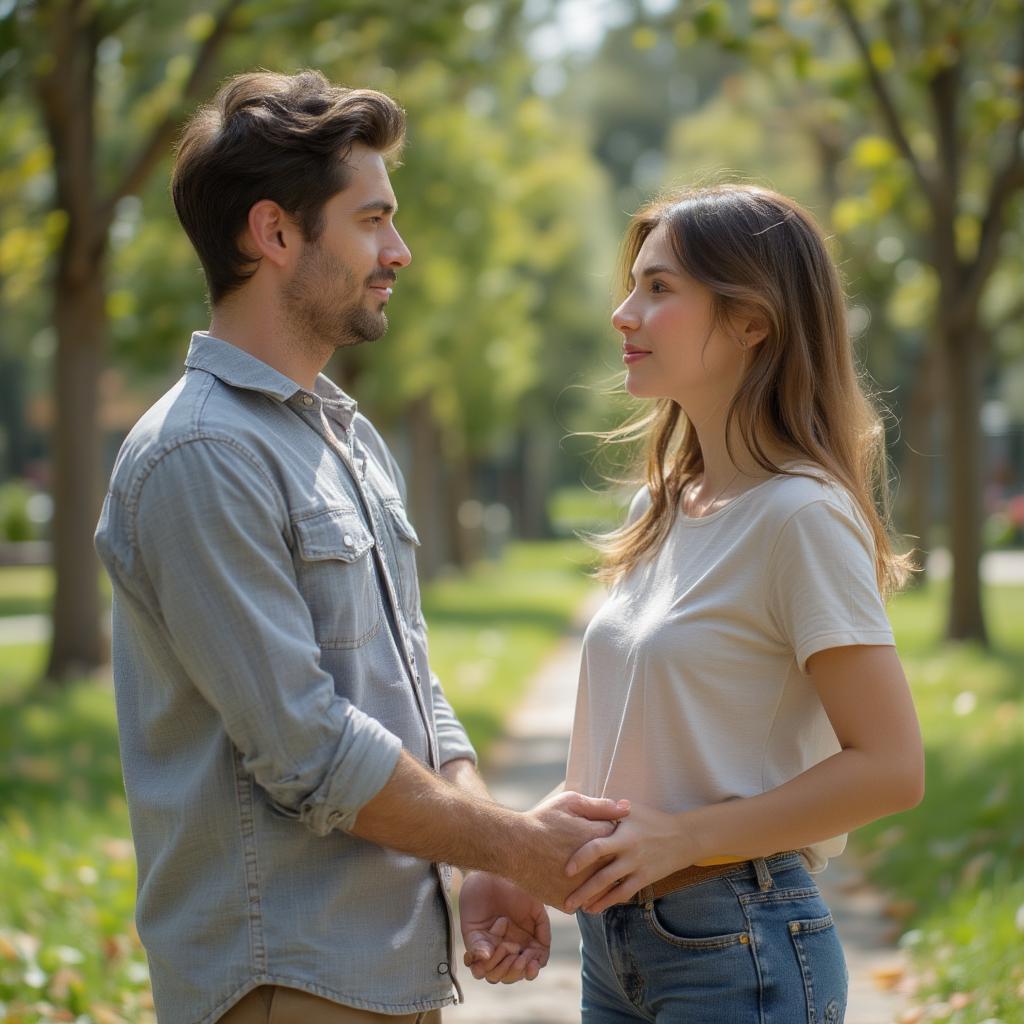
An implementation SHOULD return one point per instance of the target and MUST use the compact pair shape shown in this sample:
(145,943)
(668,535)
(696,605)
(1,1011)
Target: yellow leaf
(873,152)
(102,1013)
(199,26)
(881,54)
(887,976)
(645,38)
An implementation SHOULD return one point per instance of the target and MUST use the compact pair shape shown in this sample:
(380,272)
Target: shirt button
(307,399)
(348,540)
(442,968)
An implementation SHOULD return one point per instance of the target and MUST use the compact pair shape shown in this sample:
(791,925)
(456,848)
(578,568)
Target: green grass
(488,631)
(25,590)
(28,589)
(67,874)
(953,864)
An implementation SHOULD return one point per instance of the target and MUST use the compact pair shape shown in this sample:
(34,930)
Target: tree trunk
(79,643)
(919,460)
(426,489)
(964,369)
(466,537)
(536,466)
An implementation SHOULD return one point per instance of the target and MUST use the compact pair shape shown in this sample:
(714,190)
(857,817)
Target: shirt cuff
(358,775)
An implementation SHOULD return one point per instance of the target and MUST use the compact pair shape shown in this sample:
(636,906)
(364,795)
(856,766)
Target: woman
(740,685)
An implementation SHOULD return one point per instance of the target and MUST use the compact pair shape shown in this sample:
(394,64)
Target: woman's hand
(644,847)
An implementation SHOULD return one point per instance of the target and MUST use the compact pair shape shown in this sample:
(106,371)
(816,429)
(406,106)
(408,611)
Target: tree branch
(163,133)
(885,100)
(1008,180)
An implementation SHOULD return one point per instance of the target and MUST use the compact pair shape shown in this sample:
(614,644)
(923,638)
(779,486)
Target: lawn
(951,866)
(955,864)
(68,950)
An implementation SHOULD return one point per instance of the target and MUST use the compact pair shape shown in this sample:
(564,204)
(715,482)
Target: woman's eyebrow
(653,270)
(659,268)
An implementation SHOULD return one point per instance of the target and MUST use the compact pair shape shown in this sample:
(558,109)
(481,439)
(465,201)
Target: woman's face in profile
(671,346)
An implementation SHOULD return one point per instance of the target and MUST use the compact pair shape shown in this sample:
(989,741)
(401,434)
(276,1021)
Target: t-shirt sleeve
(822,587)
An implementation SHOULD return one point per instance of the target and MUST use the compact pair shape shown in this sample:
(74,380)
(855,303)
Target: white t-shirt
(693,685)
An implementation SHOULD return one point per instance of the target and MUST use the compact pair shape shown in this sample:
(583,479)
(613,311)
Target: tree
(112,81)
(950,165)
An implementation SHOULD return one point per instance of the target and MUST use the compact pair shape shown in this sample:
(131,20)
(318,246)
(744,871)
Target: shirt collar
(239,369)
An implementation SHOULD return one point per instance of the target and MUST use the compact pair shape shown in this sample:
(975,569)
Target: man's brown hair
(271,136)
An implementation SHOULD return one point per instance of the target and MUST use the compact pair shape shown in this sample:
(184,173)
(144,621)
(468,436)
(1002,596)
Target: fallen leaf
(887,976)
(102,1013)
(900,910)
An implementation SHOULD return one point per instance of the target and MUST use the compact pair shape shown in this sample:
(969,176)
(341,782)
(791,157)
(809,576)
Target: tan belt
(689,876)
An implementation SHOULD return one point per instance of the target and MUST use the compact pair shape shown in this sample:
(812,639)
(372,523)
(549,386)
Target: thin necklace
(711,503)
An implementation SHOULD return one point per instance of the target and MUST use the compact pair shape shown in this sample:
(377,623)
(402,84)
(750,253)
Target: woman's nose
(625,318)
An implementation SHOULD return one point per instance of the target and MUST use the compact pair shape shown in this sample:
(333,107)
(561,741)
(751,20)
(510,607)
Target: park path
(529,761)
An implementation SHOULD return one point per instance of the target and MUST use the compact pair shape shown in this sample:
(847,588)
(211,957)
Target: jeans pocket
(668,922)
(822,967)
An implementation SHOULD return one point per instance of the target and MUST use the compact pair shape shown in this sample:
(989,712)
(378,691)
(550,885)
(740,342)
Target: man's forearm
(430,817)
(461,772)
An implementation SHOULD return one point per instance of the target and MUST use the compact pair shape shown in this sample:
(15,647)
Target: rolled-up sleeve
(452,739)
(211,533)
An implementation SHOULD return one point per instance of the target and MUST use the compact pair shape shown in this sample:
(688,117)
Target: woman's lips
(633,355)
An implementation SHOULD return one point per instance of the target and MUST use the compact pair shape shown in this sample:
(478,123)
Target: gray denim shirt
(270,663)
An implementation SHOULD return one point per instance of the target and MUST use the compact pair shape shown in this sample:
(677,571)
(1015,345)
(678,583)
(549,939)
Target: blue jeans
(754,946)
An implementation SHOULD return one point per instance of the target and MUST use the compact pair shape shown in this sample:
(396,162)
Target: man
(296,780)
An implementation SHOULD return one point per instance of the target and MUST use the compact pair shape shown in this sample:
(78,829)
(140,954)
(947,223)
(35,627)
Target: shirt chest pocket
(405,544)
(336,576)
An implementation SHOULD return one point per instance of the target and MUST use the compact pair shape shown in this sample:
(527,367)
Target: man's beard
(325,307)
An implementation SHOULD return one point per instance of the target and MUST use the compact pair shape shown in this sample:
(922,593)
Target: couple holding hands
(297,783)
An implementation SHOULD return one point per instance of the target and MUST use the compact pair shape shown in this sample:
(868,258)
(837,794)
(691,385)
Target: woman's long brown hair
(761,255)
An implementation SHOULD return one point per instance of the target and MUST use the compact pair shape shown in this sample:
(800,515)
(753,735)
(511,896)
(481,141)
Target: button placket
(347,459)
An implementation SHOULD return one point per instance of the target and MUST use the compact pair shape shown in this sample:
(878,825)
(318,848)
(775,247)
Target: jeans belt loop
(764,876)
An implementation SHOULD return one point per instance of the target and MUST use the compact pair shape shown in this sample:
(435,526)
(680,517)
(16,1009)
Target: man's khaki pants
(271,1004)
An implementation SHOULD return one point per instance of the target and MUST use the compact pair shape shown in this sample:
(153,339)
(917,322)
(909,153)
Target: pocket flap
(334,533)
(402,524)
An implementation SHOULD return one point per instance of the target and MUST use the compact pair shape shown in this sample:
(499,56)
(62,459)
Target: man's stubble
(324,306)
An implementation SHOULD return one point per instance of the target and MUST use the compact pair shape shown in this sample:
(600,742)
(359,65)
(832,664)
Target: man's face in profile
(342,281)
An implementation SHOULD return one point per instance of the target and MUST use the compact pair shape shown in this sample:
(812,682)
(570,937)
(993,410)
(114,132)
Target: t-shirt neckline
(732,502)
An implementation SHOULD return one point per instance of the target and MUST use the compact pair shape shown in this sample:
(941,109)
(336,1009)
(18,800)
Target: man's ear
(271,234)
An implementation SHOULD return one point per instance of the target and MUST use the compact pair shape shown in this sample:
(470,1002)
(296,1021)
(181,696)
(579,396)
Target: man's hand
(506,931)
(558,827)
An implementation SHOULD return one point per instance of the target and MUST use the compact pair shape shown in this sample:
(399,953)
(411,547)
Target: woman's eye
(657,287)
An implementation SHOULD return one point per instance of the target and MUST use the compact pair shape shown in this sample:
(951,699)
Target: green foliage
(15,522)
(490,629)
(952,864)
(68,948)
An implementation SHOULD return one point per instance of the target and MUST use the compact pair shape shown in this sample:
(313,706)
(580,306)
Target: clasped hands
(578,853)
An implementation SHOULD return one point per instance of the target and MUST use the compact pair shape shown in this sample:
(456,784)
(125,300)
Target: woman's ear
(752,330)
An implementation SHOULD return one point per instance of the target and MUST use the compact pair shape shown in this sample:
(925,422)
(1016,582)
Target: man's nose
(396,253)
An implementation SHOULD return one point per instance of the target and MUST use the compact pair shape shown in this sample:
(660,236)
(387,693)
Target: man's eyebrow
(378,204)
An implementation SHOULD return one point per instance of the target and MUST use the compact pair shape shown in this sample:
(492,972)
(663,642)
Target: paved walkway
(527,764)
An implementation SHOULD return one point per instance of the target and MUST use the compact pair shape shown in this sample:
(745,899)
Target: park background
(535,128)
